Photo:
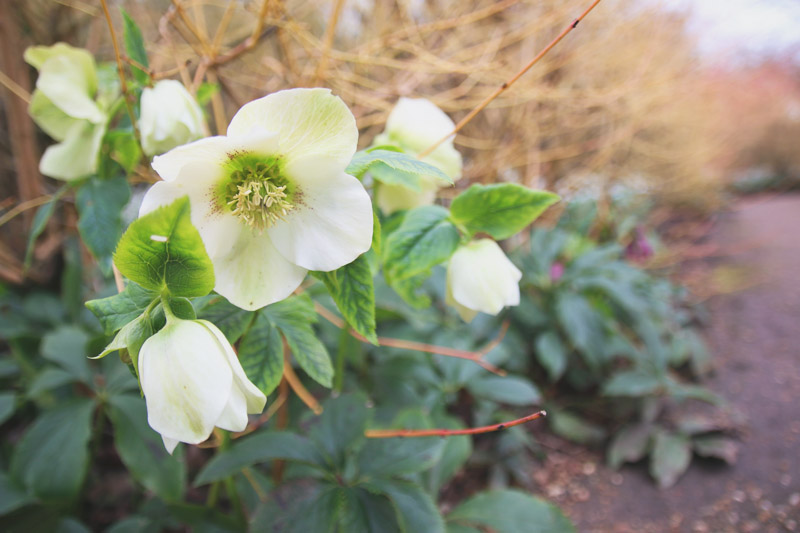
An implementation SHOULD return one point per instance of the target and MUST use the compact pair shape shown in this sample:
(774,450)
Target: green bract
(163,251)
(64,105)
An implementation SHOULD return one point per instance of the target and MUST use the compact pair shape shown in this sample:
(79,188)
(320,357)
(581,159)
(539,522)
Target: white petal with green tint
(49,117)
(481,278)
(170,117)
(76,156)
(308,122)
(254,398)
(62,81)
(331,225)
(186,381)
(253,273)
(391,198)
(212,151)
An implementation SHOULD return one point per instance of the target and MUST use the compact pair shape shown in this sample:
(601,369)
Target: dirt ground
(755,340)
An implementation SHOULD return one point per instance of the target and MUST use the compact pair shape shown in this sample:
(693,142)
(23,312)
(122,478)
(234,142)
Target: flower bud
(481,278)
(414,125)
(193,381)
(170,117)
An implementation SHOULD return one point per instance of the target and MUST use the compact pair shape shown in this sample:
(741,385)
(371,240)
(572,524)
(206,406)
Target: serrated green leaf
(424,239)
(124,149)
(231,320)
(352,288)
(116,311)
(47,380)
(510,511)
(500,209)
(511,390)
(142,450)
(258,448)
(294,318)
(411,290)
(406,169)
(552,354)
(582,324)
(162,250)
(574,428)
(39,224)
(38,460)
(717,447)
(261,354)
(633,383)
(670,458)
(456,452)
(416,510)
(398,456)
(66,346)
(100,203)
(134,46)
(131,338)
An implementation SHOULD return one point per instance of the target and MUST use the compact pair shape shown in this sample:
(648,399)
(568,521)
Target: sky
(753,26)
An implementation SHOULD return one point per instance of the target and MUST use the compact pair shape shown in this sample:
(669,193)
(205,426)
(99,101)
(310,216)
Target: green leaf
(582,324)
(47,380)
(205,91)
(7,403)
(632,383)
(100,203)
(231,320)
(67,347)
(552,354)
(38,461)
(258,448)
(670,458)
(399,456)
(416,510)
(39,224)
(352,289)
(424,239)
(403,169)
(500,209)
(163,250)
(134,46)
(294,318)
(629,445)
(261,354)
(340,428)
(124,149)
(142,450)
(510,511)
(131,338)
(457,449)
(116,311)
(511,390)
(716,447)
(12,496)
(574,428)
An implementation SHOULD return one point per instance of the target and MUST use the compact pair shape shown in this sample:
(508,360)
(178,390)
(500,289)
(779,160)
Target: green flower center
(257,191)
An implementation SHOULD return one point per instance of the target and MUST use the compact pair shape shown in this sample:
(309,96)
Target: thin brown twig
(299,389)
(413,345)
(121,71)
(497,92)
(14,87)
(24,206)
(388,433)
(327,43)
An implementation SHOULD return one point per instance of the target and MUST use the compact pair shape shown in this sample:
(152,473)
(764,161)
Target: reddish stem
(388,433)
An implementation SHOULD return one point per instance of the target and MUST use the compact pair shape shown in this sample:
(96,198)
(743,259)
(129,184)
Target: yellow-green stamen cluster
(257,192)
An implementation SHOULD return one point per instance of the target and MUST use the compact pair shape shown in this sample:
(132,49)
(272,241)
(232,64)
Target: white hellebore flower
(414,125)
(481,278)
(192,381)
(170,117)
(272,200)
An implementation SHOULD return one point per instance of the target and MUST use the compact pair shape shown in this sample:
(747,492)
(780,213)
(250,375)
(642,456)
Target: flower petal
(234,416)
(253,273)
(197,180)
(170,117)
(76,156)
(185,379)
(331,225)
(211,151)
(254,397)
(308,122)
(391,198)
(169,444)
(480,277)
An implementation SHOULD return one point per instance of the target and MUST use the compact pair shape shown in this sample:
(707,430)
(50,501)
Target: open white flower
(64,106)
(192,381)
(272,200)
(414,125)
(170,117)
(481,278)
